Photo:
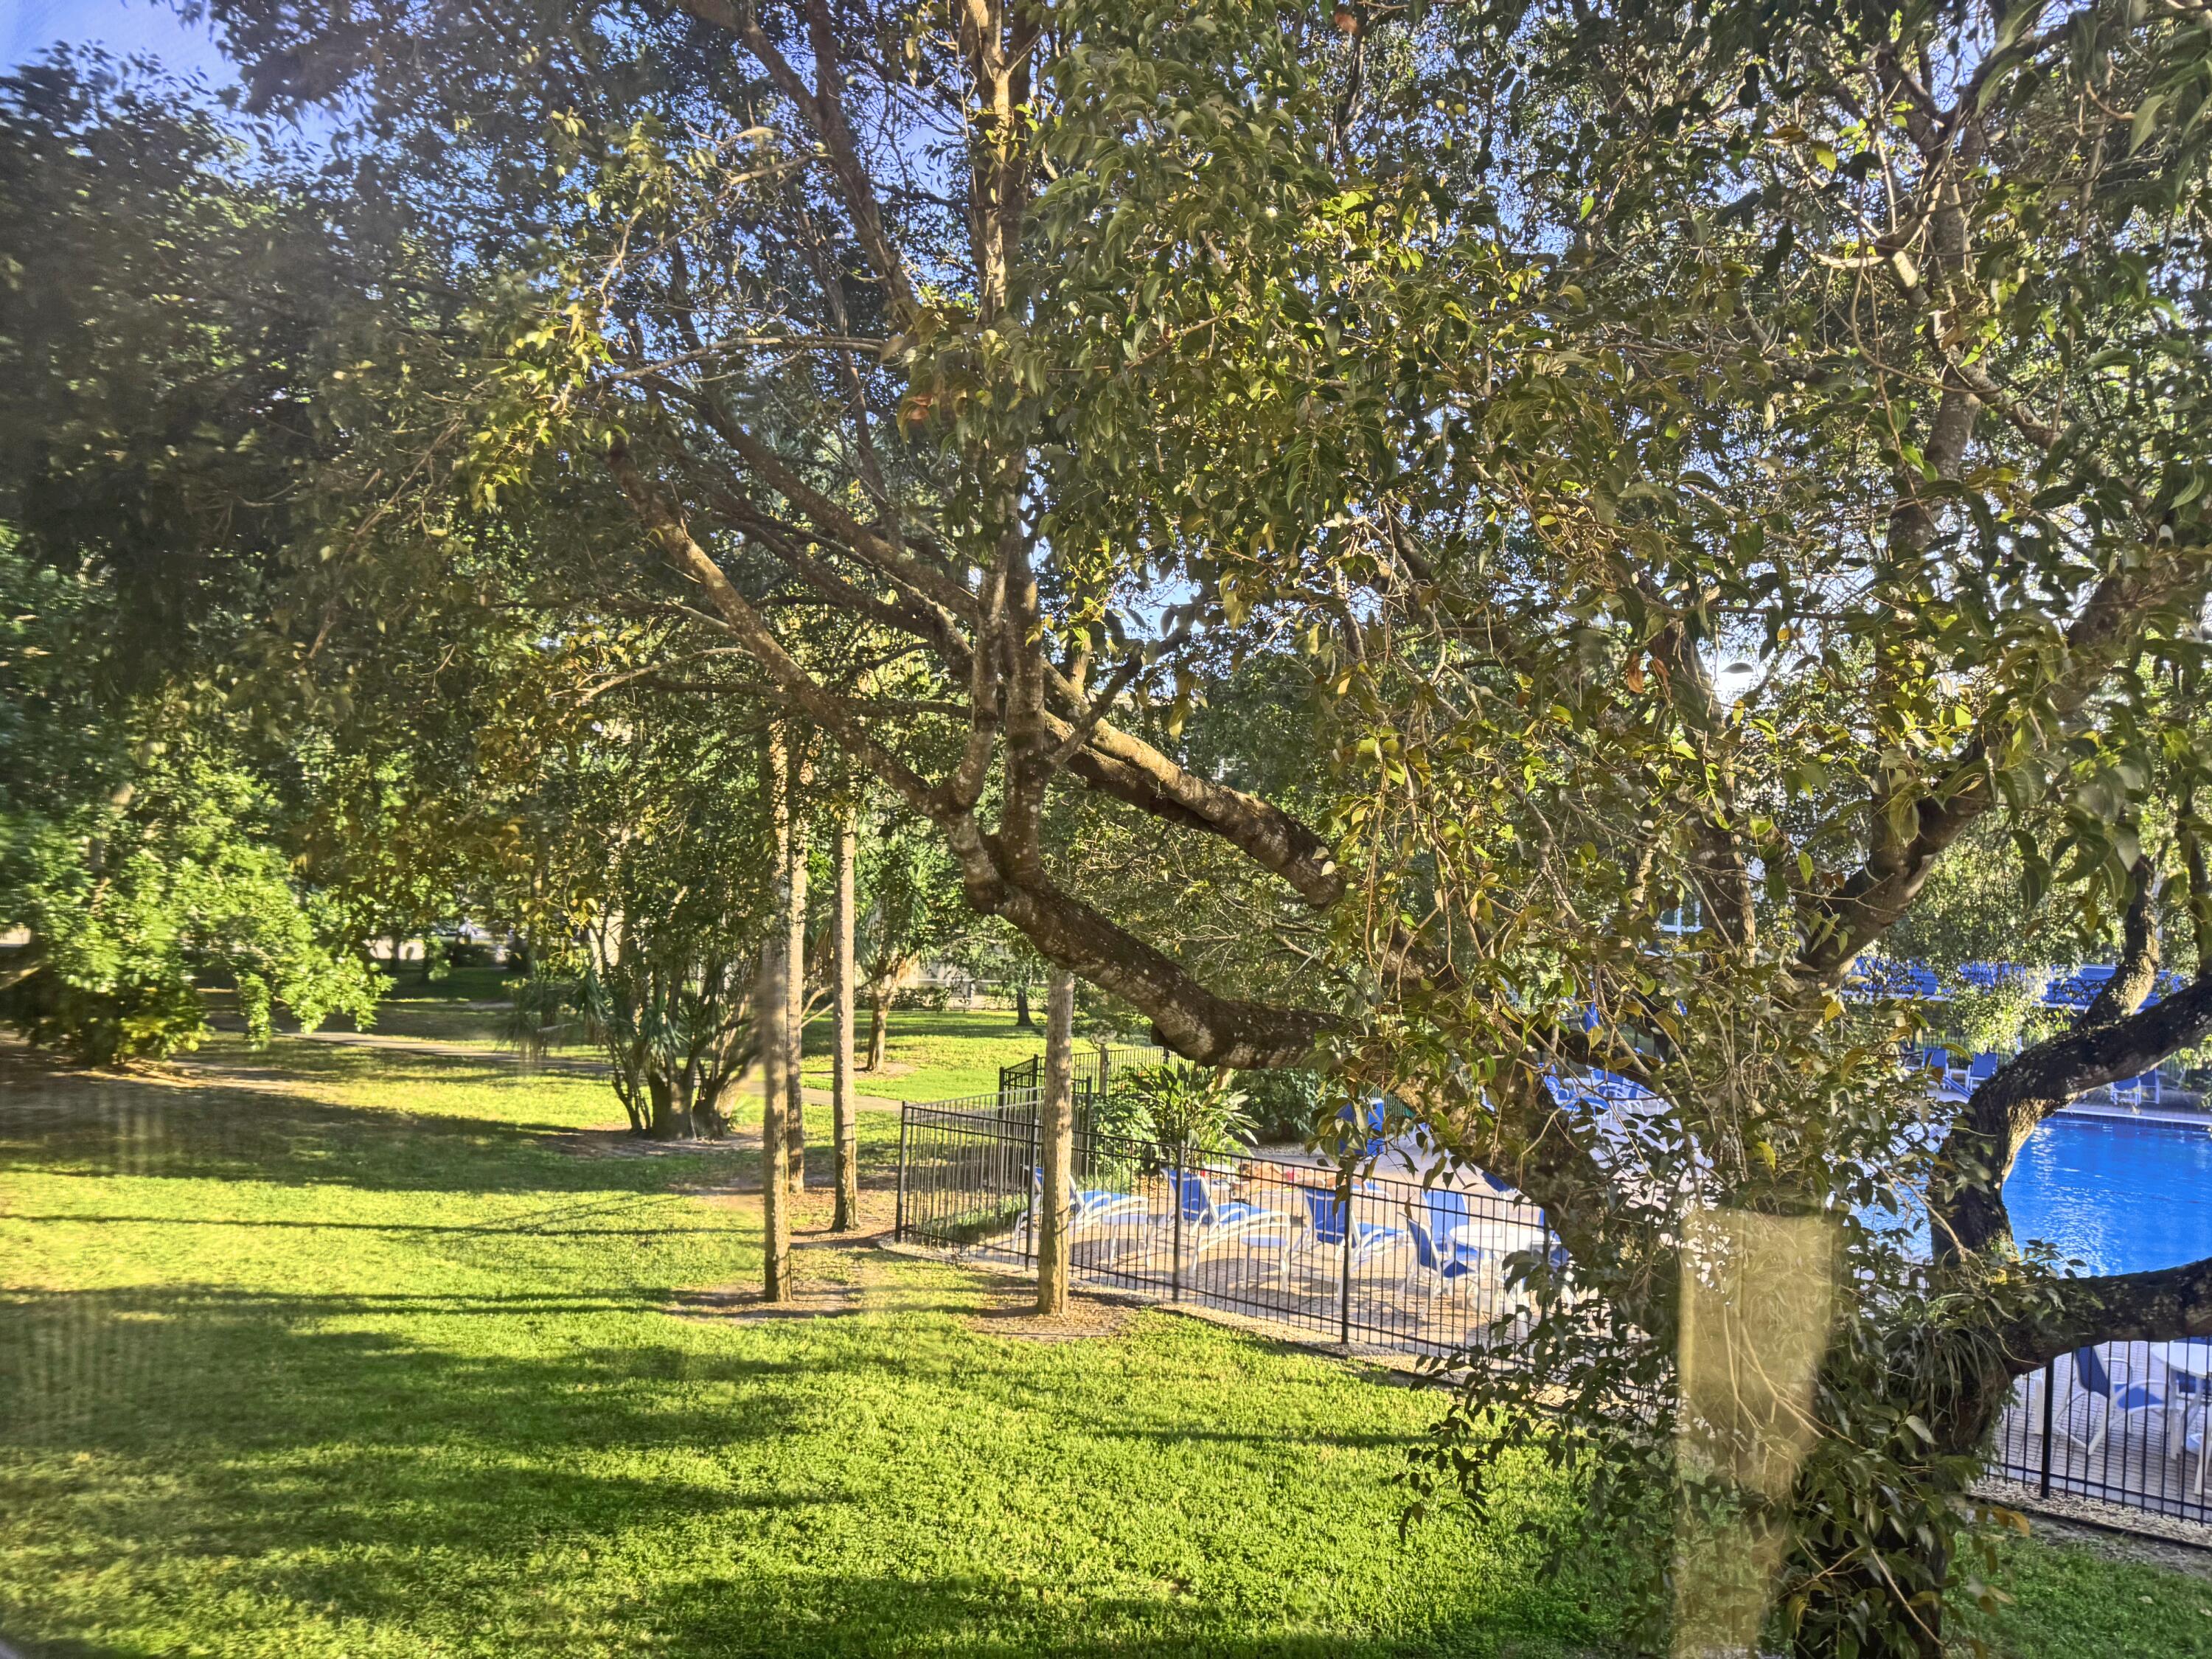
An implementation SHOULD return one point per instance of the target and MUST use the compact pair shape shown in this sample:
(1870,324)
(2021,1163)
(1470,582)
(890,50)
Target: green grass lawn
(930,1056)
(352,1352)
(439,1013)
(927,1055)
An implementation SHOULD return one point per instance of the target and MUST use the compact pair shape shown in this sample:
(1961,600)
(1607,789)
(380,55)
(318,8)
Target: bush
(545,1010)
(934,998)
(1285,1105)
(1174,1108)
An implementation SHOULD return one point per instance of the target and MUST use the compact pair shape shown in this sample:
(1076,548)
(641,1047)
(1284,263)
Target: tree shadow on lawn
(252,1450)
(984,1025)
(976,1617)
(143,1425)
(118,1124)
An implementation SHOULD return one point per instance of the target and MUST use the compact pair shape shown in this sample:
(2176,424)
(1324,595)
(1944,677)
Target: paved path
(574,1063)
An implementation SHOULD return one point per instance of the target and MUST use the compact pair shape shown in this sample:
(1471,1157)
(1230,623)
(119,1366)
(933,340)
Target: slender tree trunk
(1022,1006)
(776,1213)
(847,1215)
(875,1028)
(1056,1141)
(795,964)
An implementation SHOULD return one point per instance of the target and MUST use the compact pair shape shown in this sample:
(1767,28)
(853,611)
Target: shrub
(1174,1108)
(1285,1105)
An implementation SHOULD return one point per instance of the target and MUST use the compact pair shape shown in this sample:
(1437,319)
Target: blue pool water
(2123,1196)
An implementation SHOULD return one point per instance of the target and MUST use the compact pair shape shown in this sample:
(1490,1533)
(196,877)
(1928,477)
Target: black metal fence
(2124,1422)
(1430,1271)
(1391,1262)
(1096,1065)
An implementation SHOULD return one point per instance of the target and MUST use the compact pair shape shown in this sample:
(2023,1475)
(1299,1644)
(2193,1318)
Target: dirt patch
(833,1276)
(620,1140)
(817,1299)
(1011,1312)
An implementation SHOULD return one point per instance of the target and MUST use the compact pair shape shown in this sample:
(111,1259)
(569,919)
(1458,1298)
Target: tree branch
(823,109)
(823,707)
(1870,902)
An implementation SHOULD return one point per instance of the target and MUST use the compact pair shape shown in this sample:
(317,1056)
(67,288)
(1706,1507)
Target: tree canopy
(167,302)
(1348,527)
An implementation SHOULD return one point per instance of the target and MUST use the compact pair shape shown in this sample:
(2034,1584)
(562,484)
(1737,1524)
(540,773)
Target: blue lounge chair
(2095,1383)
(1349,1120)
(1978,1071)
(1612,1086)
(1209,1224)
(1325,1228)
(1096,1204)
(1095,1207)
(2192,1392)
(1447,1209)
(2133,1091)
(1438,1260)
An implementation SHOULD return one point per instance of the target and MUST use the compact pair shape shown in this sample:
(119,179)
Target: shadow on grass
(551,1226)
(566,1470)
(532,1468)
(261,1423)
(985,1024)
(116,1124)
(979,1617)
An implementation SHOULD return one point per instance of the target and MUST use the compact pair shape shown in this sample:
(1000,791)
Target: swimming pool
(2122,1194)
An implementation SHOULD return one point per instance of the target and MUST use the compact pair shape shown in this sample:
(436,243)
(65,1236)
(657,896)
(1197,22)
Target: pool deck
(2181,1107)
(2141,1460)
(2182,1115)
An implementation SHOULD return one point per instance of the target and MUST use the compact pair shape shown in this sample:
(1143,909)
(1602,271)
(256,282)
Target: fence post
(1175,1261)
(2050,1387)
(1344,1275)
(898,1221)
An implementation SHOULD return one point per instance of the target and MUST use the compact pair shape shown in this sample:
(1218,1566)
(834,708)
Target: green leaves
(130,900)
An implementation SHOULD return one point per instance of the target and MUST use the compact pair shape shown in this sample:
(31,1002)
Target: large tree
(162,307)
(1707,458)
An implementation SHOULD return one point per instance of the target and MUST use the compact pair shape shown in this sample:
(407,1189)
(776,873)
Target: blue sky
(28,27)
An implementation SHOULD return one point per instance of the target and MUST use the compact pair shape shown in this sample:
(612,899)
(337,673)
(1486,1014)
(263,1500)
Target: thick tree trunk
(669,1122)
(707,1119)
(875,1030)
(1022,1006)
(842,1130)
(1056,1143)
(1963,1393)
(795,965)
